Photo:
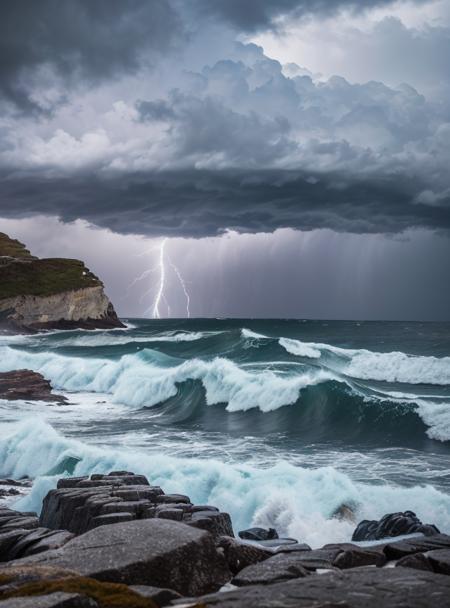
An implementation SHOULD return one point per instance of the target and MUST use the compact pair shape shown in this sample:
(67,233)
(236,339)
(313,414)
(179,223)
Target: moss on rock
(44,277)
(105,594)
(13,248)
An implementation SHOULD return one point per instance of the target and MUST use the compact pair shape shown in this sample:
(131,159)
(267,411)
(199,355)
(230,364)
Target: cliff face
(53,293)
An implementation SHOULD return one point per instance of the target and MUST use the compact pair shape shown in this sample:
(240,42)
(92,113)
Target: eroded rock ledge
(116,540)
(53,293)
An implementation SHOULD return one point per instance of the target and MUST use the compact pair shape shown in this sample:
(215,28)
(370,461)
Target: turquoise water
(278,422)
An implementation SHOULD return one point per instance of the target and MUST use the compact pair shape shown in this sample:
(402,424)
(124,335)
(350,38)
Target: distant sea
(277,422)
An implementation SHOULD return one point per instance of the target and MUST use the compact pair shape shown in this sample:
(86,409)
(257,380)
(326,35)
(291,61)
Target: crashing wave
(297,501)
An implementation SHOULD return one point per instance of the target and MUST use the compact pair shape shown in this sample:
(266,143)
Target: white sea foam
(297,501)
(145,379)
(252,335)
(299,349)
(111,340)
(368,365)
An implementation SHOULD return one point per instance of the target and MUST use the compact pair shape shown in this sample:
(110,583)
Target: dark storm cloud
(204,203)
(80,40)
(260,14)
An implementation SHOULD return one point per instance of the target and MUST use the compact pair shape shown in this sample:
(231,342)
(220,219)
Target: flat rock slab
(53,600)
(357,588)
(396,550)
(152,552)
(281,567)
(435,561)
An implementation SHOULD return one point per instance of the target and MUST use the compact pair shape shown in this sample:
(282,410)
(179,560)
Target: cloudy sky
(291,156)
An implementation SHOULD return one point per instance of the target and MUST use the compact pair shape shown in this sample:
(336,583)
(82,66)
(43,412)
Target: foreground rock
(116,540)
(20,535)
(55,587)
(80,504)
(28,385)
(49,293)
(393,524)
(358,588)
(151,552)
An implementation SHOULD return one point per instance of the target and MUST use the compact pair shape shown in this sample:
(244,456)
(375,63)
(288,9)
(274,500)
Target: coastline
(117,528)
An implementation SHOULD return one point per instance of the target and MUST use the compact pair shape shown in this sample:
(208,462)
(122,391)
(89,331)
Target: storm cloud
(81,41)
(152,118)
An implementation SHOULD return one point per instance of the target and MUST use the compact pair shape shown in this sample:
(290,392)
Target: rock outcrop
(82,503)
(150,552)
(393,524)
(53,293)
(359,588)
(28,385)
(116,540)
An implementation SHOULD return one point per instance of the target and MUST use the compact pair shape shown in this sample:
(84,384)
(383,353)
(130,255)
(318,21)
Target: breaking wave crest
(297,501)
(149,378)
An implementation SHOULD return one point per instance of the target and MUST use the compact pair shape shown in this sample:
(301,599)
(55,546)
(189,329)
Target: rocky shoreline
(116,540)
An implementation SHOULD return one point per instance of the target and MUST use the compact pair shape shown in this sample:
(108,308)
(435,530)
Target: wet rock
(28,385)
(162,597)
(39,540)
(352,556)
(392,524)
(82,503)
(439,560)
(359,588)
(258,534)
(399,549)
(219,524)
(239,554)
(281,567)
(152,552)
(416,560)
(7,542)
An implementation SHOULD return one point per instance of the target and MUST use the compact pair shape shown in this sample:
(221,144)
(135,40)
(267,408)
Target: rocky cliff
(54,293)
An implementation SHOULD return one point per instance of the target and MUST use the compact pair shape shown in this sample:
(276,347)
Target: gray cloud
(78,41)
(204,203)
(236,144)
(260,14)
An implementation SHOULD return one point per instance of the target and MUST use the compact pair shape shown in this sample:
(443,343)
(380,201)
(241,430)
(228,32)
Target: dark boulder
(81,503)
(358,588)
(258,534)
(239,554)
(392,524)
(275,569)
(401,548)
(152,552)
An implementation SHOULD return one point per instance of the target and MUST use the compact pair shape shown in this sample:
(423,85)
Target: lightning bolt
(184,288)
(162,281)
(160,298)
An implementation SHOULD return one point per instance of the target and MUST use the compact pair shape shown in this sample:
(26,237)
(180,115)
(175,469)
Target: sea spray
(297,501)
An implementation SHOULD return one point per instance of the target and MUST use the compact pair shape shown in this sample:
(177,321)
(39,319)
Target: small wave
(298,501)
(109,340)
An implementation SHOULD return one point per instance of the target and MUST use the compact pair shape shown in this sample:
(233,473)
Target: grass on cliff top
(44,277)
(13,247)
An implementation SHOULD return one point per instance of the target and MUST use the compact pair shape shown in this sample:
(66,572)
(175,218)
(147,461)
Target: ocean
(278,422)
